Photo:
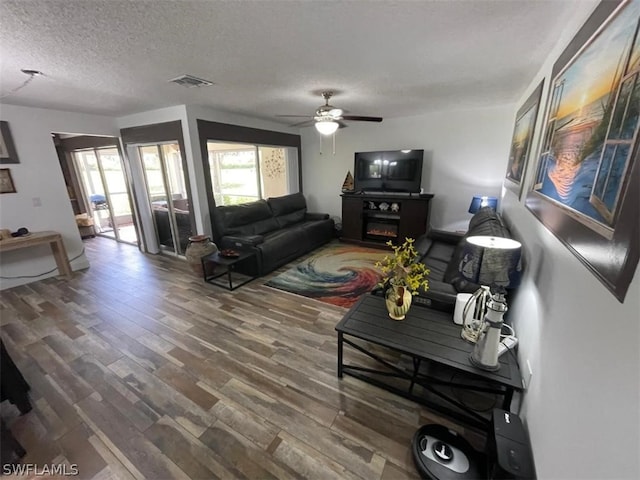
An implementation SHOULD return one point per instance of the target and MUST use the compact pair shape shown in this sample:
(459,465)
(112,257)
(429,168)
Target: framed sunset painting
(586,184)
(522,140)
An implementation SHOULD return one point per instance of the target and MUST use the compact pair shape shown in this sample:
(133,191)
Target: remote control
(507,344)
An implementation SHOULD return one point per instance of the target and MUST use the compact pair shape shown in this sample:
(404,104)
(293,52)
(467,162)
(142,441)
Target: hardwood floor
(138,369)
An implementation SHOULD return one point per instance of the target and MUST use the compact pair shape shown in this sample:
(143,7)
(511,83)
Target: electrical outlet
(527,374)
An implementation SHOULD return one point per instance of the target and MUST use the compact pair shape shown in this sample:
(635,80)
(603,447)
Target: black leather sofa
(279,229)
(442,252)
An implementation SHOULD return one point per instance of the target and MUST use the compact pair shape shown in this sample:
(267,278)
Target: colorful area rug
(338,274)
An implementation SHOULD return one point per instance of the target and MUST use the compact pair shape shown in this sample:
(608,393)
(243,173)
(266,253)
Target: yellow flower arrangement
(401,269)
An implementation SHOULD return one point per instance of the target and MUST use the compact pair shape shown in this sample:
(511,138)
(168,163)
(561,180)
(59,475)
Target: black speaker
(509,448)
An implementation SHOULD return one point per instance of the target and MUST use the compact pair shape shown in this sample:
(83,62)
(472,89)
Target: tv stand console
(372,219)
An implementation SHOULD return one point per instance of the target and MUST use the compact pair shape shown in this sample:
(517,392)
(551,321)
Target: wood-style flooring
(138,369)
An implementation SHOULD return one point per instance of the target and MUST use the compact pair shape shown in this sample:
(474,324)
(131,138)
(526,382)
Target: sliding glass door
(168,195)
(242,173)
(105,187)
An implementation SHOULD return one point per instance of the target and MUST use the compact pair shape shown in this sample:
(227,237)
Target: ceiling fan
(327,118)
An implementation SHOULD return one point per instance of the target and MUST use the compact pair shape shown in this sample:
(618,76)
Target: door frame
(158,133)
(173,222)
(91,142)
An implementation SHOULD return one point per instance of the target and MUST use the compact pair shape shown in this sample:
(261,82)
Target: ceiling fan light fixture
(326,127)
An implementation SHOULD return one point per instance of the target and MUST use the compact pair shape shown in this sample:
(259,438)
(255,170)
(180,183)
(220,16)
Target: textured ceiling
(387,58)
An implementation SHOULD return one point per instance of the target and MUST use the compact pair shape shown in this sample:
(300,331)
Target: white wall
(465,155)
(39,176)
(582,407)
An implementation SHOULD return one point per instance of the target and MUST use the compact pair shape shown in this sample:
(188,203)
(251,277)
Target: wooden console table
(54,239)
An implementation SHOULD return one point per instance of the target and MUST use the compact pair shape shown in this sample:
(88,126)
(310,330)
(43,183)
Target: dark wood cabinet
(351,218)
(373,220)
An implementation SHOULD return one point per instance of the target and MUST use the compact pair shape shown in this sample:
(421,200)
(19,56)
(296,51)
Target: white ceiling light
(326,127)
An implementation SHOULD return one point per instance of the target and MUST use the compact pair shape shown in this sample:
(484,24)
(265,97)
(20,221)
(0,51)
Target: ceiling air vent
(190,81)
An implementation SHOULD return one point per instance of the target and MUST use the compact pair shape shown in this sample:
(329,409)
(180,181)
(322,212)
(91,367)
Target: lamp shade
(479,201)
(491,261)
(326,127)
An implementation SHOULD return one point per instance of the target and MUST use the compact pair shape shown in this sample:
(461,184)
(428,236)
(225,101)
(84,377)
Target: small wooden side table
(54,239)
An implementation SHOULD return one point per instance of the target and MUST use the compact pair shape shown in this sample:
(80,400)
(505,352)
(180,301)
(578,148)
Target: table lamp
(493,263)
(480,201)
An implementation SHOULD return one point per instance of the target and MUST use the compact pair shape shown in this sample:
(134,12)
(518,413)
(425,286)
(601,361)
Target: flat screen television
(388,171)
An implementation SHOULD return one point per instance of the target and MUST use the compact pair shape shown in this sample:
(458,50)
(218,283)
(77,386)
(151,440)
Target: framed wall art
(587,179)
(522,139)
(6,182)
(7,149)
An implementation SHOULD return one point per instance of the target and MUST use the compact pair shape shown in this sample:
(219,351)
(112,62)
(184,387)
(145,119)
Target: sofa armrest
(229,241)
(445,236)
(316,216)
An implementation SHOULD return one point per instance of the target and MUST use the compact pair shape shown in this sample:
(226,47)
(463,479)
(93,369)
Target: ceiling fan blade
(304,123)
(295,116)
(358,118)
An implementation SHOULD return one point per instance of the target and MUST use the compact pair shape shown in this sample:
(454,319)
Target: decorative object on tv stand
(402,278)
(199,246)
(492,262)
(479,201)
(347,185)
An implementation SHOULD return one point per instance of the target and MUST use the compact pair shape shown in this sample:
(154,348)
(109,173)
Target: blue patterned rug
(338,274)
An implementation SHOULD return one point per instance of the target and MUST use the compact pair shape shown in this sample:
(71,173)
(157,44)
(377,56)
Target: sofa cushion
(281,246)
(253,218)
(290,218)
(317,231)
(287,204)
(288,209)
(437,259)
(422,246)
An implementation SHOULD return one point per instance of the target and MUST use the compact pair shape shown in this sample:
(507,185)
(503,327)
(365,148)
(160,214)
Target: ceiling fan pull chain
(334,144)
(320,137)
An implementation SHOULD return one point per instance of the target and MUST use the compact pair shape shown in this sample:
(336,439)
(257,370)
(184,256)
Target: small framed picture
(7,148)
(6,182)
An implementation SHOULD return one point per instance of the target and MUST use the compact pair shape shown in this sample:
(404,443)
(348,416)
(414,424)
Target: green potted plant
(402,277)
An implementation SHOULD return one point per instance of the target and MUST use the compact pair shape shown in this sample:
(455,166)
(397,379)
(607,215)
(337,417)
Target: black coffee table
(432,343)
(229,264)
